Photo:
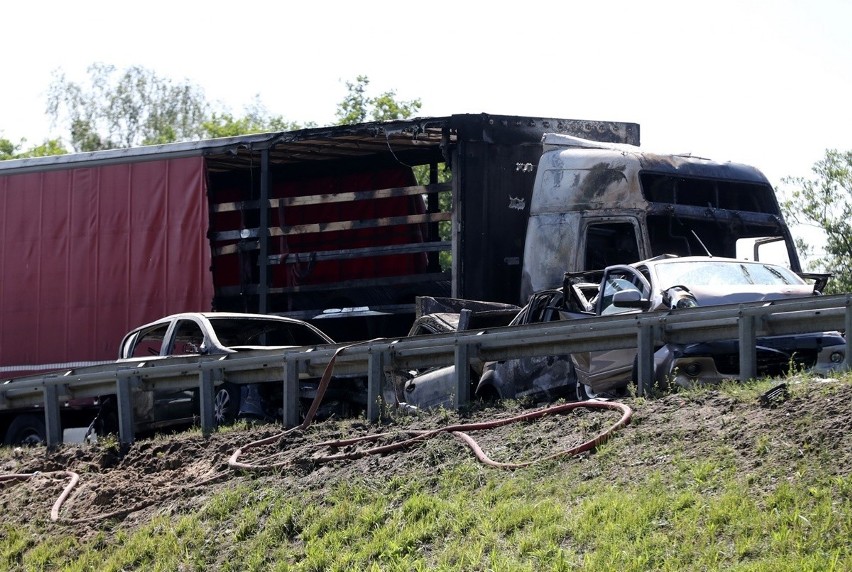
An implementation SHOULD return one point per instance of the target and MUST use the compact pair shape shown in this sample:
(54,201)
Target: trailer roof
(404,140)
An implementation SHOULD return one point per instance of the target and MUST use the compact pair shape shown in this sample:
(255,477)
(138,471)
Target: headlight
(678,297)
(692,369)
(686,302)
(836,357)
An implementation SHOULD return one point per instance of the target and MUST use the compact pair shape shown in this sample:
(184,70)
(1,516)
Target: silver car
(671,283)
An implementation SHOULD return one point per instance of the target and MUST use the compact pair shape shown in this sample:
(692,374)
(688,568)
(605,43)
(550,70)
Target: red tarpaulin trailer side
(98,251)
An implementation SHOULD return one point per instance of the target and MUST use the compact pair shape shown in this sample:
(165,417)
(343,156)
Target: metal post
(748,347)
(375,382)
(290,391)
(457,287)
(205,401)
(52,422)
(645,356)
(263,234)
(848,331)
(463,354)
(124,396)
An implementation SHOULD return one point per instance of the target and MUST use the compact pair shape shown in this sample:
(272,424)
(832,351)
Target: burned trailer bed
(296,223)
(344,226)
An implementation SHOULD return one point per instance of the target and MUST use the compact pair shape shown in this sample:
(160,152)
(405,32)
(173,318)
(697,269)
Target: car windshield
(723,273)
(258,332)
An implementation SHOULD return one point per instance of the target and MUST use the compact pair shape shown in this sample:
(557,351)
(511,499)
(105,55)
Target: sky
(767,83)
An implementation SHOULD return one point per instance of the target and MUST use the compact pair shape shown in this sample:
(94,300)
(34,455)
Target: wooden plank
(370,282)
(359,224)
(335,226)
(342,197)
(299,257)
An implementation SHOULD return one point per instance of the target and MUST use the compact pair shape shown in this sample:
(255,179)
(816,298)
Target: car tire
(226,404)
(26,430)
(586,393)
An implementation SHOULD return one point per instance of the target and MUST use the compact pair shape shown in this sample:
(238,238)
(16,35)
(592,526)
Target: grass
(688,512)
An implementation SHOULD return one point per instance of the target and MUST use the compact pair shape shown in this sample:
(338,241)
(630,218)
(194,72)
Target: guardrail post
(847,331)
(645,356)
(463,354)
(124,398)
(375,382)
(748,346)
(206,383)
(52,421)
(290,391)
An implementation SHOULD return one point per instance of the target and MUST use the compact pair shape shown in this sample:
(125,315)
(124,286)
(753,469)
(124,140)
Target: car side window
(149,342)
(188,338)
(618,281)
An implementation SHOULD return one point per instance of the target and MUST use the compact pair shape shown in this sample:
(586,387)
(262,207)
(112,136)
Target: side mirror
(630,299)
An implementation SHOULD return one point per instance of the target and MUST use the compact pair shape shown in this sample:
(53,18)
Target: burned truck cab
(598,204)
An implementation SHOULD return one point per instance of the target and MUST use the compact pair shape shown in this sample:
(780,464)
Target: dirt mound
(179,473)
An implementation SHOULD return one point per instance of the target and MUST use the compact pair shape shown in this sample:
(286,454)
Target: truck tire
(26,430)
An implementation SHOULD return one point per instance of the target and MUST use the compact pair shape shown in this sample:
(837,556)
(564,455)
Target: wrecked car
(216,333)
(672,283)
(436,387)
(662,283)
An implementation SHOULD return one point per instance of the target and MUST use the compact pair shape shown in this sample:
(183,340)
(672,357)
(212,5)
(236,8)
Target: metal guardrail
(644,331)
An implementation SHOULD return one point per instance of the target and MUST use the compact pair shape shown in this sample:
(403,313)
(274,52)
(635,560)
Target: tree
(9,150)
(126,108)
(358,107)
(137,107)
(256,120)
(825,203)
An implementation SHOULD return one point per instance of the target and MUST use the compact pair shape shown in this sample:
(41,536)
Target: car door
(539,377)
(602,371)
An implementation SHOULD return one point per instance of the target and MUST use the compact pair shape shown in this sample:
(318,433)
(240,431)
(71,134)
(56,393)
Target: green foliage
(135,106)
(256,120)
(825,203)
(126,108)
(9,150)
(358,107)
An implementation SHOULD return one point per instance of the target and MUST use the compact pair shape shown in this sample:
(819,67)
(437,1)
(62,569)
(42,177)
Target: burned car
(672,283)
(436,387)
(215,333)
(663,283)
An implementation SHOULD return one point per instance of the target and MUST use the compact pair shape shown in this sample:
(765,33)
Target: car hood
(717,295)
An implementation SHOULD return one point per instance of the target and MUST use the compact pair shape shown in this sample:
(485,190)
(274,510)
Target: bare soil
(179,473)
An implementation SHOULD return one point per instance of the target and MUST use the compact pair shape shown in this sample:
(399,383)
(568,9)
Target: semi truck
(345,226)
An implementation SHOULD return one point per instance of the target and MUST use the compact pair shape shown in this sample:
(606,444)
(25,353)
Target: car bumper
(714,362)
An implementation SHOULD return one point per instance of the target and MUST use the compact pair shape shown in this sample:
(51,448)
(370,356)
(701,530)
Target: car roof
(668,258)
(233,315)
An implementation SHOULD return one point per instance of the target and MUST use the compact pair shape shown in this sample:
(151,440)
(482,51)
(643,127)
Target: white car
(216,333)
(662,283)
(669,282)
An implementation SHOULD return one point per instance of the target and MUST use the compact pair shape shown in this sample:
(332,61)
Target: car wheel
(226,403)
(586,393)
(26,430)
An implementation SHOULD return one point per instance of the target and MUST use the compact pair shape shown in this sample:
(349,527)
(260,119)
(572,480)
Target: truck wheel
(26,430)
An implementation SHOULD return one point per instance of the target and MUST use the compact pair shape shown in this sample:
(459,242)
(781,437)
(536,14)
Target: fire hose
(460,431)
